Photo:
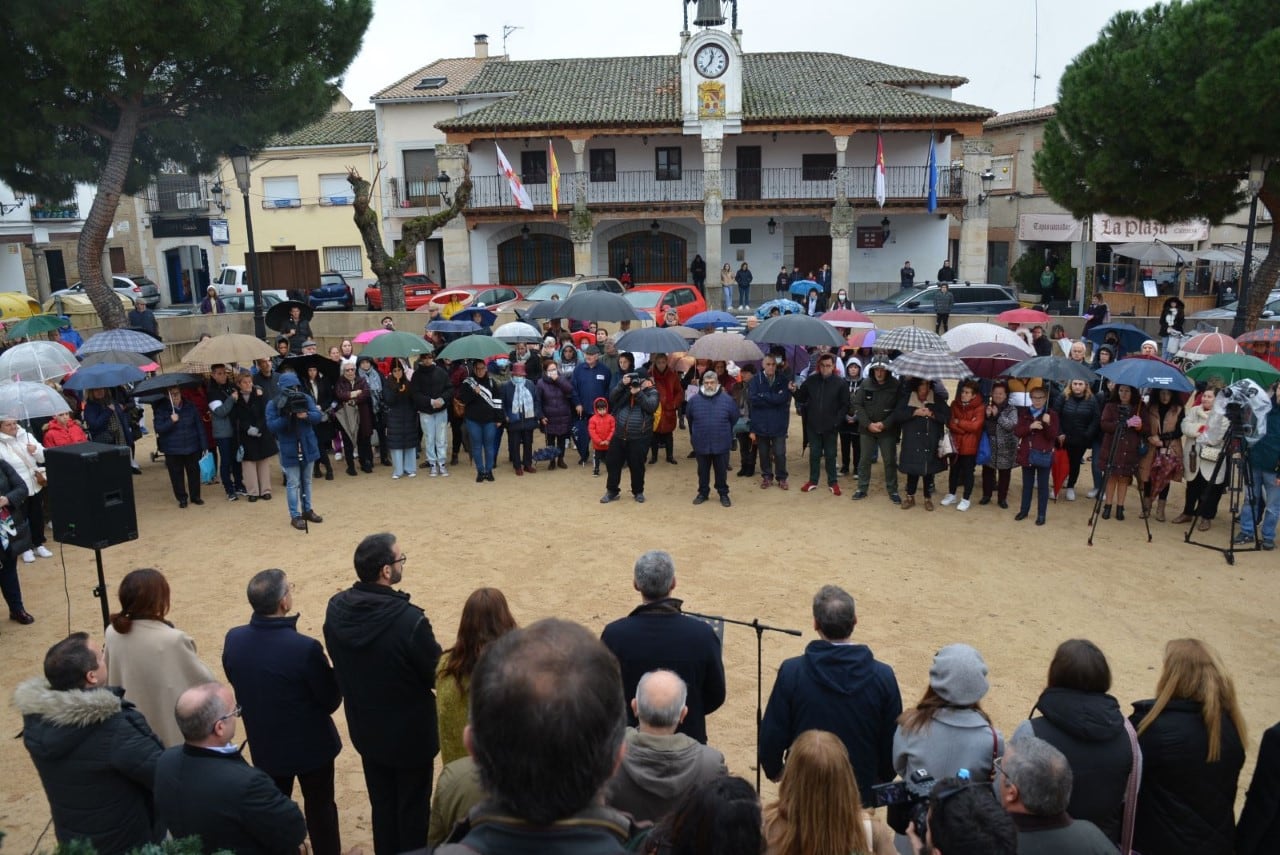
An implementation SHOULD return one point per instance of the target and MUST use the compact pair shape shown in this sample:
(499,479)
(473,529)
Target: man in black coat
(289,693)
(826,402)
(432,395)
(94,752)
(385,655)
(657,635)
(205,787)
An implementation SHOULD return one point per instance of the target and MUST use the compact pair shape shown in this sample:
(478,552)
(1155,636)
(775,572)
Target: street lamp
(240,159)
(987,178)
(1257,174)
(443,180)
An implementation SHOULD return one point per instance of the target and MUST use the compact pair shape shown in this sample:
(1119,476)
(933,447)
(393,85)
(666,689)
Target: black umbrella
(160,382)
(652,340)
(799,330)
(278,315)
(598,306)
(1053,368)
(328,368)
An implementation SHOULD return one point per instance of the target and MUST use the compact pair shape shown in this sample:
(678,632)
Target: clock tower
(711,72)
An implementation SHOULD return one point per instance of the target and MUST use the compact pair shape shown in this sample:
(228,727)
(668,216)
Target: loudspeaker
(91,494)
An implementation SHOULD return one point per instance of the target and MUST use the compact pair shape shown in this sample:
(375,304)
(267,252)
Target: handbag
(984,450)
(945,446)
(1039,459)
(1210,453)
(459,408)
(41,478)
(208,469)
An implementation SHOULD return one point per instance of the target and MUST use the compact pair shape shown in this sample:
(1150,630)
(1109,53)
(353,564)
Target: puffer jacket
(294,436)
(711,420)
(1079,420)
(633,414)
(1004,444)
(826,402)
(875,402)
(56,435)
(966,424)
(558,402)
(13,450)
(770,402)
(918,453)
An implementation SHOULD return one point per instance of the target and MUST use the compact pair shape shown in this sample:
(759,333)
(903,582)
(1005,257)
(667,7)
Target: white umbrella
(37,361)
(966,335)
(518,331)
(1155,252)
(29,400)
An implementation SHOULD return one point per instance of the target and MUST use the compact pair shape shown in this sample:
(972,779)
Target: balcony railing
(781,185)
(65,210)
(176,198)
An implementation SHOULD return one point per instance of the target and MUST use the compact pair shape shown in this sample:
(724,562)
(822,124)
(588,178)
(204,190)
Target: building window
(604,165)
(344,259)
(281,192)
(533,167)
(667,164)
(818,167)
(739,236)
(334,190)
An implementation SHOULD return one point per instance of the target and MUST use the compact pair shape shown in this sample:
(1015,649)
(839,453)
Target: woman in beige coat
(1203,432)
(148,657)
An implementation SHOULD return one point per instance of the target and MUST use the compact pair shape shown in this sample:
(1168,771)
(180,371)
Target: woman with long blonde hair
(1192,737)
(819,809)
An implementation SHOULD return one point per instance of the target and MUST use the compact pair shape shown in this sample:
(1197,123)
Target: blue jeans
(744,295)
(1266,486)
(1035,477)
(435,433)
(229,467)
(484,444)
(404,461)
(297,488)
(728,297)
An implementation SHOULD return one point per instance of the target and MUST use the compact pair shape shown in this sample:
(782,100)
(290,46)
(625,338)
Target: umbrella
(32,400)
(725,346)
(227,348)
(712,318)
(929,365)
(848,319)
(103,376)
(802,286)
(685,332)
(37,361)
(1234,366)
(369,335)
(121,340)
(402,344)
(798,330)
(1053,368)
(1131,337)
(475,347)
(543,310)
(598,306)
(518,331)
(990,360)
(326,366)
(461,327)
(1222,255)
(277,316)
(652,340)
(160,382)
(861,338)
(962,336)
(1147,374)
(35,325)
(487,317)
(908,339)
(1022,316)
(1155,252)
(786,307)
(1263,340)
(1203,345)
(117,357)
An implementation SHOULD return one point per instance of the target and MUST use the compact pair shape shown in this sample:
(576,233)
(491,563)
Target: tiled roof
(354,127)
(457,72)
(645,90)
(1022,117)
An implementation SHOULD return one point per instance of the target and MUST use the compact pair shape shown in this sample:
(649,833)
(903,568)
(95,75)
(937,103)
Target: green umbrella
(1234,366)
(402,344)
(473,347)
(36,325)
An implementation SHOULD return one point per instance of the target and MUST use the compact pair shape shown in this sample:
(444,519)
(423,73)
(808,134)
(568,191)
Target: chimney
(482,46)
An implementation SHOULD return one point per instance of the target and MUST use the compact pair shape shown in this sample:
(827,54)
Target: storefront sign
(1109,229)
(1061,228)
(184,227)
(220,232)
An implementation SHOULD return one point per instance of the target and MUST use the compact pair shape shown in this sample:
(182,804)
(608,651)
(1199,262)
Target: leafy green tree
(107,92)
(1164,115)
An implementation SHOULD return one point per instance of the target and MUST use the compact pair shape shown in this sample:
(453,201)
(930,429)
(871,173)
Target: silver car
(1225,313)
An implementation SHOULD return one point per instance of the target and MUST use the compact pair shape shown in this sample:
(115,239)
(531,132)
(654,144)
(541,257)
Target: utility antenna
(507,29)
(1035,61)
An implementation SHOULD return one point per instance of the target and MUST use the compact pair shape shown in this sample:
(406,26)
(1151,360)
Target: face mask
(503,364)
(552,374)
(519,381)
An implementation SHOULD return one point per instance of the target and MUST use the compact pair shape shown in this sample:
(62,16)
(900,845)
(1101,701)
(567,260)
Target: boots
(1120,512)
(908,502)
(1182,518)
(1146,508)
(1160,511)
(1106,512)
(328,468)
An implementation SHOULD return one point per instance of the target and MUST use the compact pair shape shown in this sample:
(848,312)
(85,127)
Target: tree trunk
(93,235)
(1268,272)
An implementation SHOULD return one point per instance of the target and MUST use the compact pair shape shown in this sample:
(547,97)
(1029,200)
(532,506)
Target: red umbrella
(990,359)
(848,318)
(861,338)
(1022,316)
(1207,344)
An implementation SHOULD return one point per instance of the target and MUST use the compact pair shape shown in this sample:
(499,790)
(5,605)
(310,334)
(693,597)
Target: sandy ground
(921,580)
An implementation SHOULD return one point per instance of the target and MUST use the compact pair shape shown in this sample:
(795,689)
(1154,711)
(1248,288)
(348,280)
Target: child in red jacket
(600,427)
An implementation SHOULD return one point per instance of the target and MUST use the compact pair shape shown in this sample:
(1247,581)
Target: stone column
(456,261)
(581,223)
(712,209)
(842,179)
(41,265)
(843,219)
(971,266)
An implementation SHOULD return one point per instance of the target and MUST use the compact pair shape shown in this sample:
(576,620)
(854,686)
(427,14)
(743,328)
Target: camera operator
(633,403)
(1264,491)
(964,819)
(292,417)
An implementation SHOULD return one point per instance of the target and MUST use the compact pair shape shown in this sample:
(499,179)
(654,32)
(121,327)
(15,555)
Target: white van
(232,280)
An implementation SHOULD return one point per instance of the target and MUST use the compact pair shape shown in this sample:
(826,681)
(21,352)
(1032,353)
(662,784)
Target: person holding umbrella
(401,420)
(249,416)
(1121,423)
(1078,416)
(1001,418)
(355,417)
(25,454)
(1164,451)
(180,437)
(296,328)
(522,410)
(921,418)
(874,405)
(1037,431)
(1203,432)
(670,398)
(108,423)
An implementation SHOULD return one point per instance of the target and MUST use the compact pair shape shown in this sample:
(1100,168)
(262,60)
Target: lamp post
(240,159)
(987,178)
(1257,174)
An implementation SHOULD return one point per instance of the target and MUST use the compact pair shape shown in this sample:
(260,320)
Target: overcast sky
(991,42)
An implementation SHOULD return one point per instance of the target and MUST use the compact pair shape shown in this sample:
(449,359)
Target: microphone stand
(760,629)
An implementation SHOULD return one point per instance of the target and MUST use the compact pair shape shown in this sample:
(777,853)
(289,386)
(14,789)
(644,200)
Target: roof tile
(354,126)
(458,72)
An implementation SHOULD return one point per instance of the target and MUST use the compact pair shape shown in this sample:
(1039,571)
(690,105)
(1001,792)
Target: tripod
(1121,429)
(760,629)
(1239,485)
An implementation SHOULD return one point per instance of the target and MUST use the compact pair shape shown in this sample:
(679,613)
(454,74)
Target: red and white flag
(880,194)
(520,195)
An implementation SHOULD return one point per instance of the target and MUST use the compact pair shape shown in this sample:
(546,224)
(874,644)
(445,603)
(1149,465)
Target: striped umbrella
(929,365)
(910,339)
(120,339)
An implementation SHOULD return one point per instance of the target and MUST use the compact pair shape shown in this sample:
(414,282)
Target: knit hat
(1151,342)
(959,675)
(518,370)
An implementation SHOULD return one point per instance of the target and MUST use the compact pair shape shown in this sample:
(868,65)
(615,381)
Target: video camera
(1245,405)
(907,801)
(292,402)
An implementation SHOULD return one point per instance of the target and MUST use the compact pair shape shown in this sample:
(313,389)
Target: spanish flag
(555,179)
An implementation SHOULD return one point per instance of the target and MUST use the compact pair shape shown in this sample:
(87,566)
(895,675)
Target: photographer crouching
(291,417)
(633,402)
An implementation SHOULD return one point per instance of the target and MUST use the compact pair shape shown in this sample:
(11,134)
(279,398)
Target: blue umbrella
(1131,337)
(786,307)
(468,313)
(802,286)
(104,375)
(1147,374)
(711,319)
(453,326)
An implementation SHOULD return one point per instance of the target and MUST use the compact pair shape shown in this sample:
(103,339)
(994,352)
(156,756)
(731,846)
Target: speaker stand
(101,590)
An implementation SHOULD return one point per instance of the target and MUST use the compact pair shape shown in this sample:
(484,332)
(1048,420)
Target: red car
(418,288)
(656,299)
(494,297)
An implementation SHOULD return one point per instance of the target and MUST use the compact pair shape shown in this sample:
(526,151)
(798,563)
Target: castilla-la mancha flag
(880,194)
(520,194)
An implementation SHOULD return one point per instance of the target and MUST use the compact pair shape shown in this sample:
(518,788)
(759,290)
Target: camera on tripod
(907,801)
(292,402)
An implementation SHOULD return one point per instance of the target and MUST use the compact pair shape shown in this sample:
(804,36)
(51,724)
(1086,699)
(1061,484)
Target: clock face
(711,61)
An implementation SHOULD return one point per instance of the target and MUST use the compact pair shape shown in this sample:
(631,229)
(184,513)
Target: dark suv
(333,293)
(971,299)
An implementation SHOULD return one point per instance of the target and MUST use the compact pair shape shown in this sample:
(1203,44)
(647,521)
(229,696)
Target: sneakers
(858,494)
(1092,494)
(29,557)
(1071,494)
(835,489)
(895,498)
(43,552)
(395,477)
(433,470)
(949,499)
(963,505)
(444,473)
(1268,545)
(808,487)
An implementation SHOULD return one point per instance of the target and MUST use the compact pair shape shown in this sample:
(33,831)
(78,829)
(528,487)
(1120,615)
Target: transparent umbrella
(37,361)
(28,400)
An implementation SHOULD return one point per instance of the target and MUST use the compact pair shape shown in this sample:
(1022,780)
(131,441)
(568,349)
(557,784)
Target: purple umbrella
(989,360)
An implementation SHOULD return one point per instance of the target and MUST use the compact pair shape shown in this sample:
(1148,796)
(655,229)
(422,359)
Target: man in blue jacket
(1264,492)
(836,686)
(292,417)
(712,414)
(590,381)
(769,395)
(288,693)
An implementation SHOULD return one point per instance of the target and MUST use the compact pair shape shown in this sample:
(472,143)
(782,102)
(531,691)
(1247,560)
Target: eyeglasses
(404,556)
(235,713)
(998,765)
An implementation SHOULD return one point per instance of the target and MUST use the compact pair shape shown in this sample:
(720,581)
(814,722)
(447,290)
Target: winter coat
(918,453)
(253,414)
(1202,429)
(508,395)
(1259,826)
(1004,444)
(743,277)
(221,414)
(56,435)
(1125,460)
(839,688)
(558,402)
(1186,805)
(294,436)
(321,391)
(1088,728)
(1078,420)
(633,414)
(185,436)
(385,656)
(954,739)
(451,712)
(97,420)
(826,402)
(288,691)
(943,302)
(96,758)
(600,428)
(670,396)
(875,402)
(711,420)
(477,408)
(1045,439)
(401,412)
(966,424)
(155,663)
(1168,425)
(13,450)
(590,383)
(355,410)
(594,830)
(770,402)
(429,383)
(13,488)
(657,769)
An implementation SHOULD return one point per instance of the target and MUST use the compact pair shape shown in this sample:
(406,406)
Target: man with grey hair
(658,635)
(660,765)
(837,686)
(1033,780)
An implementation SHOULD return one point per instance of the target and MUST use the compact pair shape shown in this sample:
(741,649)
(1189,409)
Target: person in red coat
(1037,432)
(600,427)
(63,431)
(968,417)
(670,397)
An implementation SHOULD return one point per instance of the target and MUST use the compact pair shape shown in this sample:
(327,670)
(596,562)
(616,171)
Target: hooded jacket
(294,436)
(601,425)
(876,401)
(96,758)
(841,688)
(385,656)
(657,770)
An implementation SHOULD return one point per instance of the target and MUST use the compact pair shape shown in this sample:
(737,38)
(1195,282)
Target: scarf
(374,380)
(522,403)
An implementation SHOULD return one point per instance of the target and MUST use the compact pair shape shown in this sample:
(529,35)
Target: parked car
(656,299)
(333,293)
(567,286)
(1227,312)
(418,288)
(971,299)
(494,297)
(126,285)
